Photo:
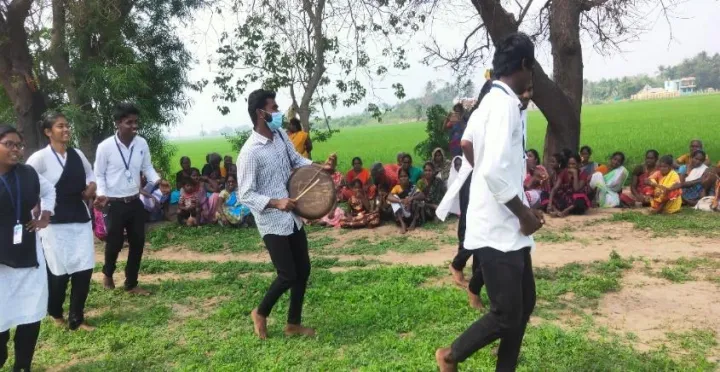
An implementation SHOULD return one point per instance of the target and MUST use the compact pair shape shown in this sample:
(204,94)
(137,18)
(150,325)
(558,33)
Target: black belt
(125,200)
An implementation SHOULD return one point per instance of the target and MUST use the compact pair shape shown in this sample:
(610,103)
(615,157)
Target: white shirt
(46,164)
(451,201)
(497,132)
(110,168)
(264,168)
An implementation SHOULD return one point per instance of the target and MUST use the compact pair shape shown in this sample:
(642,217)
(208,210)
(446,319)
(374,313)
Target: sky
(694,27)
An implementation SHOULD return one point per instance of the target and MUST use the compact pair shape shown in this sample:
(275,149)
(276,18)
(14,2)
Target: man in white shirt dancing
(264,166)
(118,163)
(499,220)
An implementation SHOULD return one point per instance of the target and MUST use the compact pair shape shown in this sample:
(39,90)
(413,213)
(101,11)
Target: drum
(314,191)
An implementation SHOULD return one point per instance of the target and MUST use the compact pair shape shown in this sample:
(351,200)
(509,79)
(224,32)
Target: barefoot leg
(441,357)
(458,276)
(260,324)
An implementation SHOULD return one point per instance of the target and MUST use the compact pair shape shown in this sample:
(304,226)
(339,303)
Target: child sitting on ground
(155,202)
(188,206)
(401,200)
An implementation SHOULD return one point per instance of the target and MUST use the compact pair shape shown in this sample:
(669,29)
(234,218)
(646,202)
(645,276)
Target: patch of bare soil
(651,307)
(119,277)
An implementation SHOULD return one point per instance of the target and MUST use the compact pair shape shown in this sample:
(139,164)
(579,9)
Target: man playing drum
(264,167)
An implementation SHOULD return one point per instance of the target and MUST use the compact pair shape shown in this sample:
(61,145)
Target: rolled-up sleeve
(497,161)
(246,192)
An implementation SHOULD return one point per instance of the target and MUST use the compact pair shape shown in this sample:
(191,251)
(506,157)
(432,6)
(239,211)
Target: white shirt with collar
(49,166)
(498,135)
(110,167)
(264,167)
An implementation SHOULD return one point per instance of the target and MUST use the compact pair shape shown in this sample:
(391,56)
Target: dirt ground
(647,306)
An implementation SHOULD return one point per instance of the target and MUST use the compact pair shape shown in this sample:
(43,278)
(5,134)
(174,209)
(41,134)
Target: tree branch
(59,59)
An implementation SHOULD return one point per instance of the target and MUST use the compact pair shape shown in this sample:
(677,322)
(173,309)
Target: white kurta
(69,247)
(24,292)
(451,201)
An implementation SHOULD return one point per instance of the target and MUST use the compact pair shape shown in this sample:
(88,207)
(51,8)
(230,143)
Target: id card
(131,182)
(17,234)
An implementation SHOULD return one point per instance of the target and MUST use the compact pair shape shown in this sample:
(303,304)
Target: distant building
(685,85)
(649,92)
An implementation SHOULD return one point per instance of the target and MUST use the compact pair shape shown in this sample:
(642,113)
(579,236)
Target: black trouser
(122,217)
(57,285)
(511,289)
(290,256)
(463,254)
(26,336)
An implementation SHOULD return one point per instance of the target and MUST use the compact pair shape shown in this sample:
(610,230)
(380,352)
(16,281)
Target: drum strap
(287,152)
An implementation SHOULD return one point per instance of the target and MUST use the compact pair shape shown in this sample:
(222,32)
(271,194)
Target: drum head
(317,201)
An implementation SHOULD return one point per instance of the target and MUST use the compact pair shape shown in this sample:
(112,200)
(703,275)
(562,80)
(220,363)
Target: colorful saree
(298,140)
(609,186)
(672,199)
(230,212)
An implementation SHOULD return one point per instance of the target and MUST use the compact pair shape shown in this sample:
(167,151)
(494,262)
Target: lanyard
(128,162)
(495,85)
(58,157)
(12,198)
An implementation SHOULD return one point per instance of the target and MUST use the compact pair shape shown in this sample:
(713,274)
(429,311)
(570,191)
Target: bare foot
(260,324)
(298,330)
(138,291)
(86,327)
(474,300)
(441,356)
(108,282)
(60,322)
(458,277)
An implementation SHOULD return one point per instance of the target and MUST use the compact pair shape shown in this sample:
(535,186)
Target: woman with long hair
(23,274)
(68,241)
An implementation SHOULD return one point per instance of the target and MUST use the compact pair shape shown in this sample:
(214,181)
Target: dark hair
(226,157)
(458,107)
(429,164)
(699,152)
(123,110)
(560,159)
(256,101)
(182,159)
(535,153)
(654,152)
(214,158)
(356,158)
(586,148)
(355,182)
(376,169)
(407,156)
(231,175)
(295,122)
(575,156)
(49,118)
(401,170)
(187,180)
(512,54)
(621,154)
(7,129)
(567,153)
(192,170)
(668,160)
(483,92)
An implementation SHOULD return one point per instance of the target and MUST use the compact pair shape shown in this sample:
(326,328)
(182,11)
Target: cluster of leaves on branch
(322,51)
(435,129)
(88,55)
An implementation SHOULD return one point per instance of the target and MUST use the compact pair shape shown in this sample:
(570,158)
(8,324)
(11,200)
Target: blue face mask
(276,122)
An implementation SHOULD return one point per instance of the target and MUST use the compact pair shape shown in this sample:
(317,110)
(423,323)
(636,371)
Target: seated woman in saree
(358,173)
(182,174)
(642,193)
(299,138)
(442,165)
(383,176)
(230,212)
(569,196)
(587,166)
(537,181)
(414,172)
(666,182)
(608,186)
(684,162)
(212,170)
(401,199)
(205,203)
(692,185)
(362,211)
(710,203)
(431,191)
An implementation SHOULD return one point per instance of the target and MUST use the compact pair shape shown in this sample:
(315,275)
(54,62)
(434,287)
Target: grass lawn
(632,127)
